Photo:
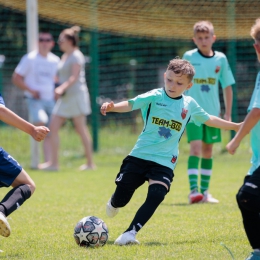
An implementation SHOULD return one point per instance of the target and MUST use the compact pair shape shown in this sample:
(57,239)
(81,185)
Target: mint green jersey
(164,119)
(255,131)
(209,71)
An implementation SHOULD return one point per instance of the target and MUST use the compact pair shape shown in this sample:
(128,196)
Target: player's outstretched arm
(222,124)
(120,107)
(10,118)
(250,121)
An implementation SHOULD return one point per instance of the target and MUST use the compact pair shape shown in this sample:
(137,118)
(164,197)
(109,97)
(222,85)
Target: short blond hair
(255,30)
(182,67)
(203,26)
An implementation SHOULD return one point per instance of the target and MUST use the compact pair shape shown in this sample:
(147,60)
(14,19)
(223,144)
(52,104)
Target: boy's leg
(194,134)
(127,180)
(211,135)
(160,178)
(248,200)
(23,188)
(11,173)
(206,166)
(156,193)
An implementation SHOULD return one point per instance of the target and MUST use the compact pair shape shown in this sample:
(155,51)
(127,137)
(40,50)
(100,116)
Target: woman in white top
(72,98)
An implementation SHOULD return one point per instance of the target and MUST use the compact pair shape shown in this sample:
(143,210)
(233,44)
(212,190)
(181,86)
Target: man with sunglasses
(35,75)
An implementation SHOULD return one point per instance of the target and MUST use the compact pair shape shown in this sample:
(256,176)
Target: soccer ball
(91,232)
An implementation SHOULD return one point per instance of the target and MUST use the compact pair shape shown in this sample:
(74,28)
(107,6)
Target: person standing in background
(35,74)
(211,68)
(72,98)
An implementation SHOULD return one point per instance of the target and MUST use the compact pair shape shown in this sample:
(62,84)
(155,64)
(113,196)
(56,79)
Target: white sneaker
(5,229)
(127,238)
(195,196)
(207,198)
(111,211)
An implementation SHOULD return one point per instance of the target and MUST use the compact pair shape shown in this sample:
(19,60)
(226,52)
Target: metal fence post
(94,76)
(231,53)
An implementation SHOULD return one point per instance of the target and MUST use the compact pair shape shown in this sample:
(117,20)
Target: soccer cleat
(127,238)
(5,229)
(195,196)
(254,256)
(207,198)
(111,211)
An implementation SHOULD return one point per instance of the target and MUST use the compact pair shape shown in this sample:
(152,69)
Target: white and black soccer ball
(91,232)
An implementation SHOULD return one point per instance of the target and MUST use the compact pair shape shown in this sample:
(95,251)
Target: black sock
(14,199)
(156,194)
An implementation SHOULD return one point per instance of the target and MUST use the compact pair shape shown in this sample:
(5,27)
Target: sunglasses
(45,40)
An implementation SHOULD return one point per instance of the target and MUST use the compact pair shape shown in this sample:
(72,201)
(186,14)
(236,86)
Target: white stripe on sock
(193,171)
(206,172)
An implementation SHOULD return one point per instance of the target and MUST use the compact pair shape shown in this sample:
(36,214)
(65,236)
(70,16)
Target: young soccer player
(11,173)
(248,197)
(211,67)
(165,112)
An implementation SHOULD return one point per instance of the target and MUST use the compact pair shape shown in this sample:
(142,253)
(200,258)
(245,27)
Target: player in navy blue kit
(166,112)
(11,172)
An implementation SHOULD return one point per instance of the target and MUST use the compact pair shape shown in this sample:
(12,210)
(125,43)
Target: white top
(39,73)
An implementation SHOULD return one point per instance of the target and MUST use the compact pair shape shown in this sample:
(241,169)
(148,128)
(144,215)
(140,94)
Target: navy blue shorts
(9,169)
(134,172)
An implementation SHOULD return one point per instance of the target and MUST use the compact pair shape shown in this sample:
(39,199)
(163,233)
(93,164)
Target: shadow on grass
(175,204)
(4,256)
(154,243)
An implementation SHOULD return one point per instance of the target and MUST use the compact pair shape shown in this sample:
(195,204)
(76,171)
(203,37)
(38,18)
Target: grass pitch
(43,227)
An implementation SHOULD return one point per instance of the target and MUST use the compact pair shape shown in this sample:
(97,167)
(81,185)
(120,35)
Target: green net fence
(134,42)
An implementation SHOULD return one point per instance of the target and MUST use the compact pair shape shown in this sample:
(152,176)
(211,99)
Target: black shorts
(134,172)
(9,169)
(252,183)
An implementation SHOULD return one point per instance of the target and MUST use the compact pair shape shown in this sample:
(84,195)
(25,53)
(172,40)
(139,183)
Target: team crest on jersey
(174,159)
(217,69)
(184,113)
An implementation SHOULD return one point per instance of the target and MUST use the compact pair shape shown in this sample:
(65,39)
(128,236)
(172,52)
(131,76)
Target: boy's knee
(32,187)
(26,193)
(121,196)
(156,193)
(248,201)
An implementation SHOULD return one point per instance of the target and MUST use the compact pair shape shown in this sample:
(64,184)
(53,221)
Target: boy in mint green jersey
(248,196)
(166,112)
(211,68)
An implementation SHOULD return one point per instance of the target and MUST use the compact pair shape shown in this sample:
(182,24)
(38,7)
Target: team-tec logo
(175,125)
(210,81)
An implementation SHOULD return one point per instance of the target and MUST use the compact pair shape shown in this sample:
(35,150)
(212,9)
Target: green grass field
(43,227)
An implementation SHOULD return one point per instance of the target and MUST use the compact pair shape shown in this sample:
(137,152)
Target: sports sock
(14,199)
(205,171)
(193,171)
(155,195)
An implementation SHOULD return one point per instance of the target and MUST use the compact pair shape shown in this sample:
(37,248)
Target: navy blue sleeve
(2,100)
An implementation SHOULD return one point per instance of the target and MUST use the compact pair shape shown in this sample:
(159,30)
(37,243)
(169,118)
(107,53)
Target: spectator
(72,98)
(35,74)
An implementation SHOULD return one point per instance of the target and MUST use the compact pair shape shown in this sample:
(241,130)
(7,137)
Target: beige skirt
(70,106)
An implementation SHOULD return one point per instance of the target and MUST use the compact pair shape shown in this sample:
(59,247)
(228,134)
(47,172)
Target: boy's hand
(107,107)
(238,126)
(39,133)
(35,93)
(227,117)
(257,50)
(232,146)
